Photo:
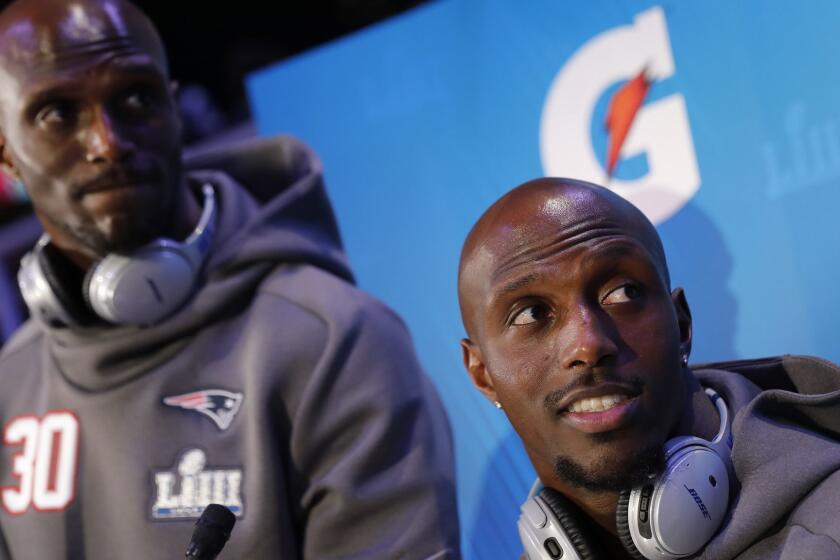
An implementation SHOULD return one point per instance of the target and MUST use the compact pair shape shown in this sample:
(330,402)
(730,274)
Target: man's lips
(603,420)
(114,186)
(603,407)
(606,389)
(113,181)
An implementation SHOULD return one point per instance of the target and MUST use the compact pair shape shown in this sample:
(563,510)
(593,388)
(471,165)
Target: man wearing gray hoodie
(574,331)
(195,336)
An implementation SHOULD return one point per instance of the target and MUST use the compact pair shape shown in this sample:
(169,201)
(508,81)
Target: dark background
(217,44)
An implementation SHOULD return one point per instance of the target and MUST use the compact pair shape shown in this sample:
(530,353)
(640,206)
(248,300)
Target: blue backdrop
(425,120)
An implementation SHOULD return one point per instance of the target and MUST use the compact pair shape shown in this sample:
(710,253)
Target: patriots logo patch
(217,404)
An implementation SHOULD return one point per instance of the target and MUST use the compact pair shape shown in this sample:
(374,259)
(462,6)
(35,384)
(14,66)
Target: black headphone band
(56,268)
(622,525)
(571,520)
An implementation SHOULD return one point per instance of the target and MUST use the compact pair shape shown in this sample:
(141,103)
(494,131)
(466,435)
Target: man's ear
(474,364)
(7,166)
(175,93)
(683,319)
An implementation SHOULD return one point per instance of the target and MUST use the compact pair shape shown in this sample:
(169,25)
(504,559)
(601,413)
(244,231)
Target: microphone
(211,532)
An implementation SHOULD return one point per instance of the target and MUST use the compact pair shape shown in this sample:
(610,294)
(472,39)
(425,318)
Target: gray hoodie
(786,455)
(280,390)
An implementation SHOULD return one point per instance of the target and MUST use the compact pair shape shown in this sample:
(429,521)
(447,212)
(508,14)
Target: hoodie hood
(288,218)
(785,429)
(273,211)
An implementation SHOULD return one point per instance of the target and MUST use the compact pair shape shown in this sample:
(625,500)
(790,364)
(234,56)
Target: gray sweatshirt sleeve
(4,549)
(812,531)
(372,445)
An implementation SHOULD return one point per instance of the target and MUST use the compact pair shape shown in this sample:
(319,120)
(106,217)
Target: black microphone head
(211,532)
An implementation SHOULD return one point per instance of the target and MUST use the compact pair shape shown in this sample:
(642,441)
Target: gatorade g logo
(658,131)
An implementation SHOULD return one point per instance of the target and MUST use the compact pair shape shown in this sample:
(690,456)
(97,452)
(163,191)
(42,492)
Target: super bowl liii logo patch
(186,490)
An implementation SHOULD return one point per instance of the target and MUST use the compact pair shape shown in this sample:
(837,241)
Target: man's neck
(189,209)
(702,418)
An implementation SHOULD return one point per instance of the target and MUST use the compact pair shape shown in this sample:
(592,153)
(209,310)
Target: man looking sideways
(240,365)
(574,331)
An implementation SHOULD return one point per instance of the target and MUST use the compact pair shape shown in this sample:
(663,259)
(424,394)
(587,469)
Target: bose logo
(699,502)
(658,131)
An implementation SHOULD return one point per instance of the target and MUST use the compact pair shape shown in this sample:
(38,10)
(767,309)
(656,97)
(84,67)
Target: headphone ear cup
(142,288)
(567,517)
(622,524)
(86,285)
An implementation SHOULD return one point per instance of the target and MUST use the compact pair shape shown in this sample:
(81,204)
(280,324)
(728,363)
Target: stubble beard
(610,474)
(116,233)
(153,216)
(123,232)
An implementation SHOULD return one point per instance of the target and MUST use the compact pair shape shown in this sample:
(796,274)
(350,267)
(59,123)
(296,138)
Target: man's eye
(623,294)
(56,114)
(137,100)
(531,314)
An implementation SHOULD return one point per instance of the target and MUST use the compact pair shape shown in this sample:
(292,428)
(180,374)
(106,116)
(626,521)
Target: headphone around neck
(137,289)
(672,516)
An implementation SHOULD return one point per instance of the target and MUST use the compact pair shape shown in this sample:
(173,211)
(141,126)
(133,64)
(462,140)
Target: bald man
(195,334)
(575,333)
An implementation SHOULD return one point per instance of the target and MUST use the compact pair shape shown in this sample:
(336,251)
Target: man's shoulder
(778,372)
(786,455)
(817,511)
(812,530)
(331,299)
(27,338)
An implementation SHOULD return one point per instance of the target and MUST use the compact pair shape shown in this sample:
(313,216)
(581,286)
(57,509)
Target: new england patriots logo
(218,405)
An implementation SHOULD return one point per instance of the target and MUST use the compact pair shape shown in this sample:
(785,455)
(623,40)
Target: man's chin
(99,245)
(611,474)
(123,235)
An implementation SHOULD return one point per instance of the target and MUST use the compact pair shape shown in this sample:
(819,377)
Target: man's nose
(589,340)
(106,143)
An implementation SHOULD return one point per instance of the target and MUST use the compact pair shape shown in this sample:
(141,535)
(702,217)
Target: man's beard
(610,474)
(123,232)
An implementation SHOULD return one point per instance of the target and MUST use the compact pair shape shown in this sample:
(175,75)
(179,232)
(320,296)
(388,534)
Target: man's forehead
(61,34)
(568,261)
(541,219)
(551,224)
(499,268)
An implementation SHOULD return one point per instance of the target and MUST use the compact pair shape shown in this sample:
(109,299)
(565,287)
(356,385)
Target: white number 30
(45,465)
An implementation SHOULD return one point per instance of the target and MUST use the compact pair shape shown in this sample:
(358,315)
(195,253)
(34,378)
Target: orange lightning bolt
(620,114)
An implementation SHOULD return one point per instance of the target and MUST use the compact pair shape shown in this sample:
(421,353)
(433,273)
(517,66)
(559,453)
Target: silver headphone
(137,289)
(672,516)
